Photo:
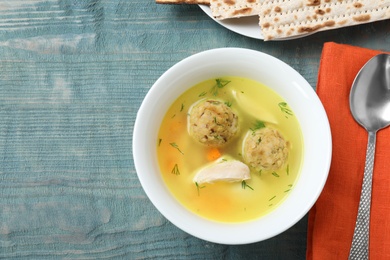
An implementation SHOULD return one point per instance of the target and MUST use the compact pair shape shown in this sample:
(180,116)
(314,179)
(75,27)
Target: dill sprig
(257,125)
(202,94)
(245,185)
(228,103)
(219,83)
(175,170)
(199,187)
(284,108)
(174,145)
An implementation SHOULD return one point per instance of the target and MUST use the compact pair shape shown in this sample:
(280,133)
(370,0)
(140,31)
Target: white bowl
(275,74)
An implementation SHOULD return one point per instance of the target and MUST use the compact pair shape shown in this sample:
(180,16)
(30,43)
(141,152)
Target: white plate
(247,26)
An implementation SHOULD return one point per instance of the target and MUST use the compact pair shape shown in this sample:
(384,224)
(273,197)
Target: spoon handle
(361,235)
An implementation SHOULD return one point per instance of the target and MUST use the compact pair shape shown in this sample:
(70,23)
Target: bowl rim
(243,232)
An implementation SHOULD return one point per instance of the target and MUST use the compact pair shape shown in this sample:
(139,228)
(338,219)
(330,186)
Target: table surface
(73,74)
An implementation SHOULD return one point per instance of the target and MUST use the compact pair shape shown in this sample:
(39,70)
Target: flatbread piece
(289,18)
(223,9)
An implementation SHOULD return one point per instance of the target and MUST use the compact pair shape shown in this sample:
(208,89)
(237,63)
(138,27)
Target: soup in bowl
(232,146)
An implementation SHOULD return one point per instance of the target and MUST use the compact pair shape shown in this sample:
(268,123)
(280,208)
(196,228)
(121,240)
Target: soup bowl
(286,82)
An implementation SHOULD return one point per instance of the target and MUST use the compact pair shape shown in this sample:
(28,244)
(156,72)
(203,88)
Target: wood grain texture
(72,77)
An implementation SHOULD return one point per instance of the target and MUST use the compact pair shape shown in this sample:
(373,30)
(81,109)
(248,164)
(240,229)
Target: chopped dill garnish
(260,172)
(290,185)
(202,94)
(270,205)
(216,121)
(228,103)
(244,185)
(182,107)
(284,108)
(173,116)
(174,145)
(257,125)
(175,170)
(272,198)
(199,187)
(219,83)
(159,141)
(218,137)
(275,174)
(288,169)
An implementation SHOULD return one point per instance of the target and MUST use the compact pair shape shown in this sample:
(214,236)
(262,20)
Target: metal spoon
(370,106)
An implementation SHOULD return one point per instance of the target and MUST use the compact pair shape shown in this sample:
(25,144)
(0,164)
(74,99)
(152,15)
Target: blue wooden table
(73,74)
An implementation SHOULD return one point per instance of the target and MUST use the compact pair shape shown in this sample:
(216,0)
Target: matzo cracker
(223,9)
(288,18)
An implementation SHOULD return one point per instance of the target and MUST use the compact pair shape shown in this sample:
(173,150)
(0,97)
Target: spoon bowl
(370,94)
(370,106)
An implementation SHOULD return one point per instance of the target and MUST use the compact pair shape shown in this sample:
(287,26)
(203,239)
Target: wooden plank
(72,77)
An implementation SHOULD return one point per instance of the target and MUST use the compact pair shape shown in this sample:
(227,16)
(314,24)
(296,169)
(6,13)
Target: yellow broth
(180,157)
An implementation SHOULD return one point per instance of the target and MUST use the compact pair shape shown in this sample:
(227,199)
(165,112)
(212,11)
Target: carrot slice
(213,154)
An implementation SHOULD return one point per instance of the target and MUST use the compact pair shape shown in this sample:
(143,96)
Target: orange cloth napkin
(332,219)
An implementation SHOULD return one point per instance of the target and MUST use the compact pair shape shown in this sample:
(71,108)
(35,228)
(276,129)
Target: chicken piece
(222,170)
